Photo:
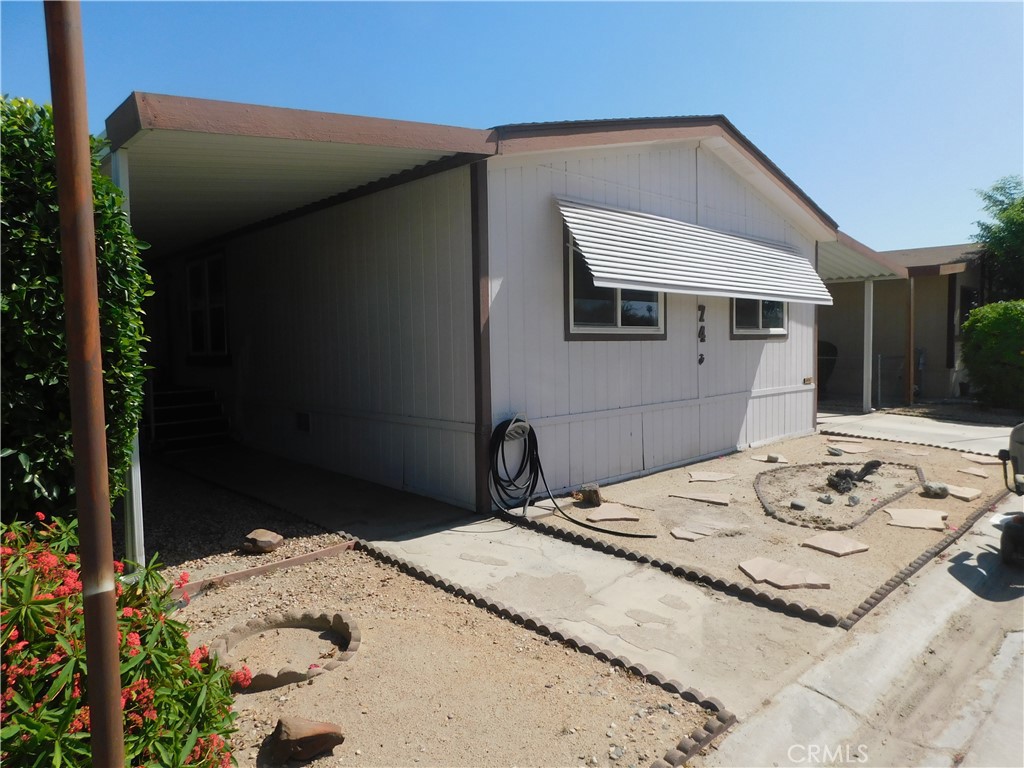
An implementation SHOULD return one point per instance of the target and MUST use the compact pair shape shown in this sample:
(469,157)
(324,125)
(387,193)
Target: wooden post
(81,307)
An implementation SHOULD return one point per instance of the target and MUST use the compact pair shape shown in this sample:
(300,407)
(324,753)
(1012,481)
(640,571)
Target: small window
(207,308)
(594,311)
(758,317)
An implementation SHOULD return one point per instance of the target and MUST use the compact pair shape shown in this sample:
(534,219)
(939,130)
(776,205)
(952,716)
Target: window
(594,312)
(207,308)
(758,317)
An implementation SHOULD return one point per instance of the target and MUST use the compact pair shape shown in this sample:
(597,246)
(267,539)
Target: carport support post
(911,357)
(869,323)
(85,373)
(134,542)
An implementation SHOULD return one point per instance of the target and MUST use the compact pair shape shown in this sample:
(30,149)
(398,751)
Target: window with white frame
(207,308)
(595,311)
(759,317)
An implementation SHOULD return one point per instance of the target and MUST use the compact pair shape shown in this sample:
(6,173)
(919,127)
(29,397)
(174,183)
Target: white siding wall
(361,316)
(612,409)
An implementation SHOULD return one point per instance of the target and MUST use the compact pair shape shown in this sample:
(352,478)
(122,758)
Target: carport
(851,270)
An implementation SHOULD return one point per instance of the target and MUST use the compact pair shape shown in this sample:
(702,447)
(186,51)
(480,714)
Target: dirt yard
(435,681)
(750,532)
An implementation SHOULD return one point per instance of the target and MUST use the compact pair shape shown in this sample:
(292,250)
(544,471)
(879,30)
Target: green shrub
(176,704)
(36,460)
(993,350)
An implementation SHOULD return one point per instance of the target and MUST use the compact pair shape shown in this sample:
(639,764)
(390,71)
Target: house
(372,296)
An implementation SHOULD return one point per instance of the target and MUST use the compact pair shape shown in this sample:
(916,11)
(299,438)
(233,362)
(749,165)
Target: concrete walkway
(970,438)
(875,698)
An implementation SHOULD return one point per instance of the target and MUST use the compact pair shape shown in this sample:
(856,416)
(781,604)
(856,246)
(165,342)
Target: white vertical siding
(612,409)
(361,316)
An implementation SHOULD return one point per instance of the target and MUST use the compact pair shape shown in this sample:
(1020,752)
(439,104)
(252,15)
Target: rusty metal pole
(81,308)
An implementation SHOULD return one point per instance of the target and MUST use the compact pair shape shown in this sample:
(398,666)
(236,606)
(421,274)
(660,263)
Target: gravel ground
(436,681)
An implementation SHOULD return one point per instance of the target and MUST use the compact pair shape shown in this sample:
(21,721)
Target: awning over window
(626,249)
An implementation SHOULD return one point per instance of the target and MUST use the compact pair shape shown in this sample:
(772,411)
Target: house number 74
(702,334)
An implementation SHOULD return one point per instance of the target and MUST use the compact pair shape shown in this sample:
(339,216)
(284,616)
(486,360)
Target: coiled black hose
(510,490)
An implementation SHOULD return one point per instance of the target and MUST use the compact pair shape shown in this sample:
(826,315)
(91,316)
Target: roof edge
(151,111)
(522,137)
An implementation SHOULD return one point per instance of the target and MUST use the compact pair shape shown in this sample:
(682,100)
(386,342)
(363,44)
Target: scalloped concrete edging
(775,514)
(919,562)
(263,680)
(744,592)
(192,588)
(687,747)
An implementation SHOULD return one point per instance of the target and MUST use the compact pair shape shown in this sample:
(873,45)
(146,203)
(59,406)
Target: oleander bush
(993,351)
(36,462)
(176,702)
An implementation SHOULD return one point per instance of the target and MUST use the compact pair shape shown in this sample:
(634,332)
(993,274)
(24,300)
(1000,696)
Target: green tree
(1001,241)
(37,460)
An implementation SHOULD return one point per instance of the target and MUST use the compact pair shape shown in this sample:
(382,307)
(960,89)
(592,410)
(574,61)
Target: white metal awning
(626,249)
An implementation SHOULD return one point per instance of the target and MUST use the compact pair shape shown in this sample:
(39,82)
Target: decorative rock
(261,540)
(833,451)
(797,505)
(772,458)
(298,739)
(853,501)
(936,490)
(779,458)
(590,494)
(825,498)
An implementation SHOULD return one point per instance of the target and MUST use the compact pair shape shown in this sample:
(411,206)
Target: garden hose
(510,490)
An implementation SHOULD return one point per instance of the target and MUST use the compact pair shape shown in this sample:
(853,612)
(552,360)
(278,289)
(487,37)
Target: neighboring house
(919,299)
(373,296)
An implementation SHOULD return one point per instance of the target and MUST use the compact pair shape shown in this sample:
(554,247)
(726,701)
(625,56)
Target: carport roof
(848,260)
(200,169)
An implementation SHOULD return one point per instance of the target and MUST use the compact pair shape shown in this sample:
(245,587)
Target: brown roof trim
(870,253)
(927,270)
(150,111)
(532,137)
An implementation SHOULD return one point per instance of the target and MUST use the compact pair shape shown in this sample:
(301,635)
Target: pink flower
(118,566)
(40,516)
(182,580)
(134,640)
(242,678)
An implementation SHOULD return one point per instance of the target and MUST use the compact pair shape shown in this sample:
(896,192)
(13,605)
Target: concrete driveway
(970,438)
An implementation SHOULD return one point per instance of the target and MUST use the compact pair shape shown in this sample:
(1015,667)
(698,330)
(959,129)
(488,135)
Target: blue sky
(889,115)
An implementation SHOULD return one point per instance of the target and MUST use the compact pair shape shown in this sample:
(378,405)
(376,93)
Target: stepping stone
(702,529)
(974,471)
(911,452)
(978,459)
(778,460)
(685,534)
(962,493)
(709,477)
(835,544)
(720,499)
(845,440)
(539,512)
(611,512)
(782,575)
(855,448)
(930,519)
